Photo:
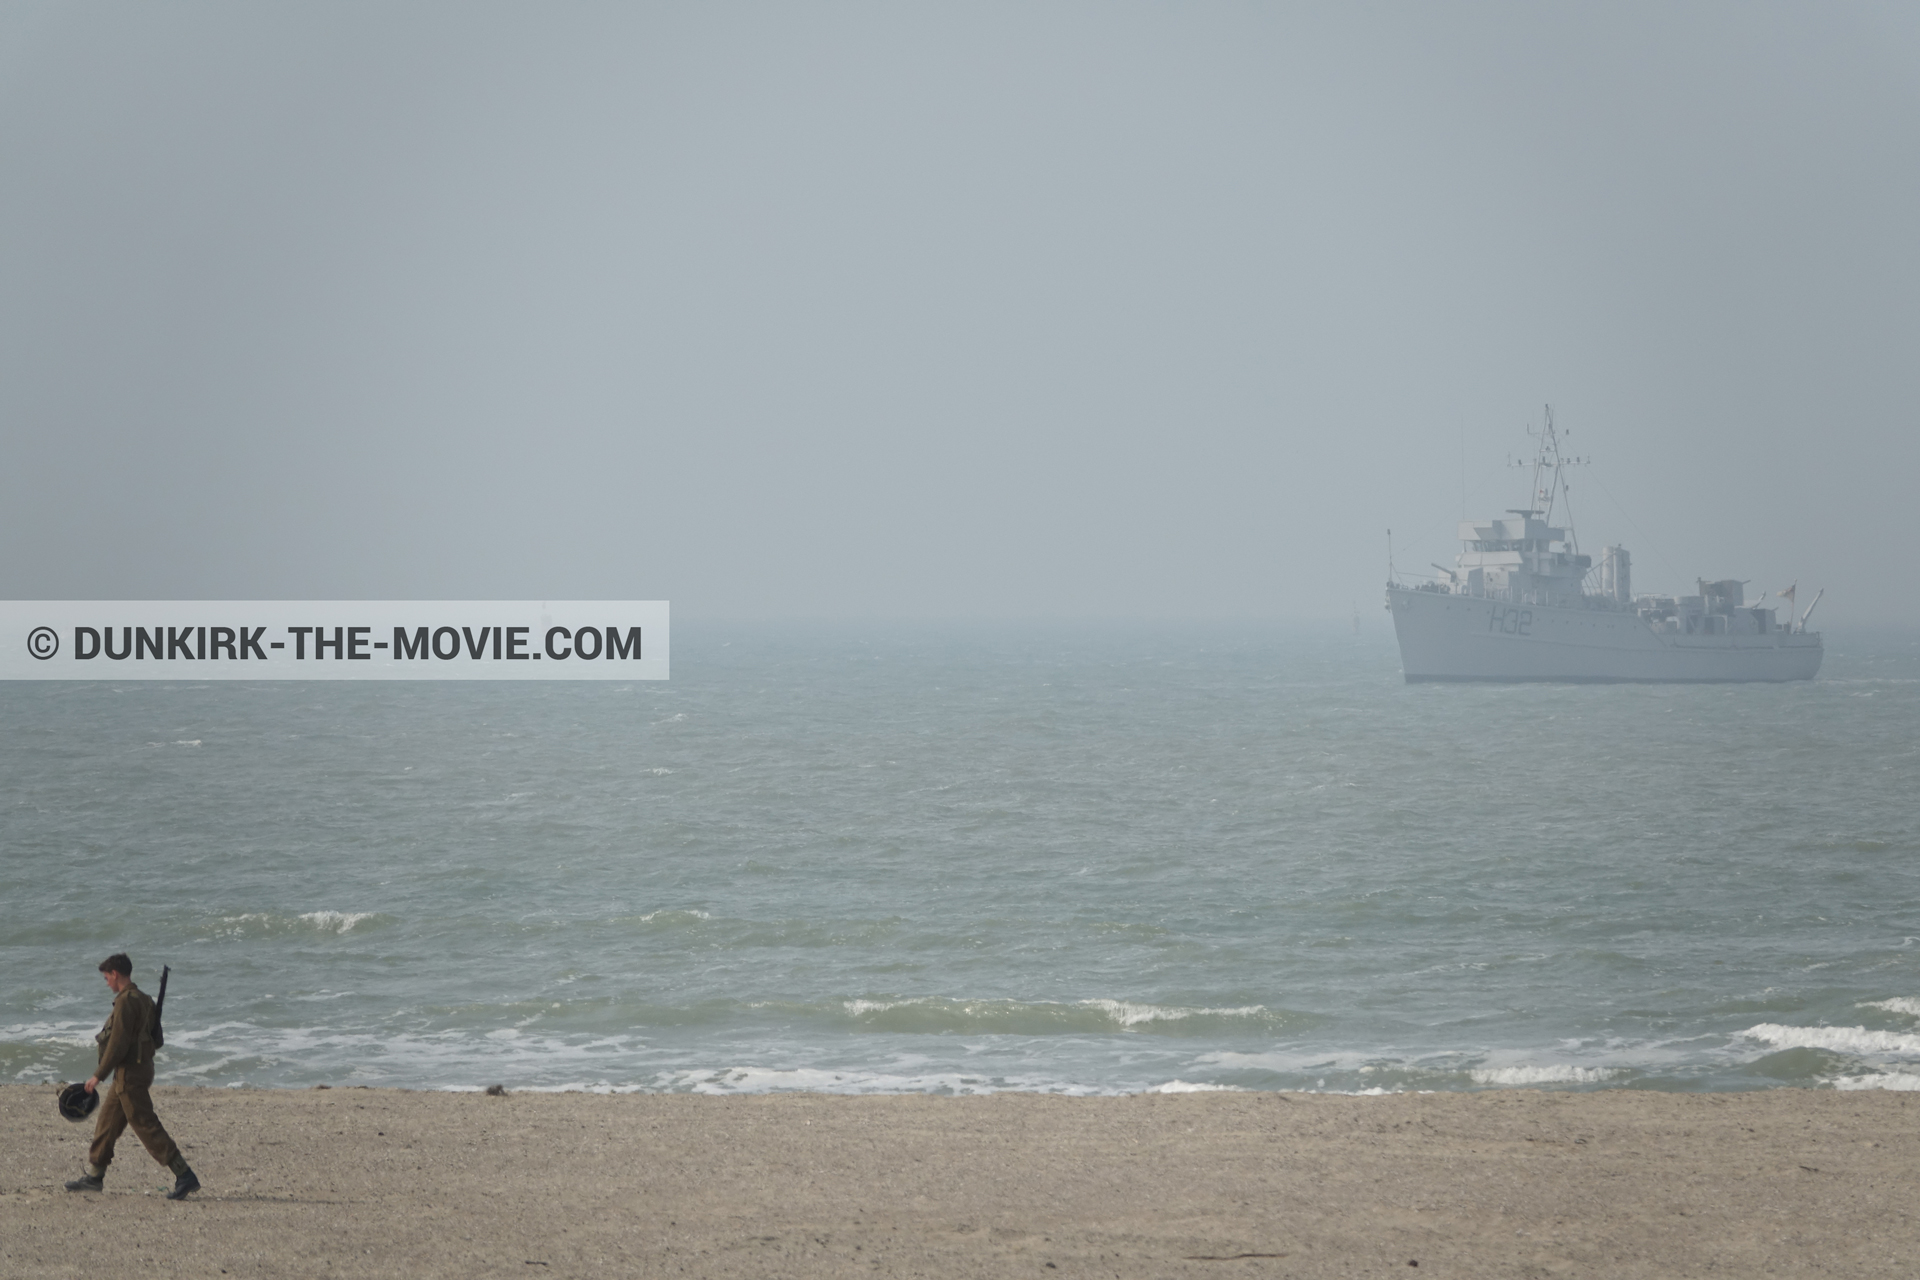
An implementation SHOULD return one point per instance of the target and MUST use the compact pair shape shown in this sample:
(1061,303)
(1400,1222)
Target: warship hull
(1446,636)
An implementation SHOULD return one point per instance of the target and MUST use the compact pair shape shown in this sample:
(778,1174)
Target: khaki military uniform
(126,1052)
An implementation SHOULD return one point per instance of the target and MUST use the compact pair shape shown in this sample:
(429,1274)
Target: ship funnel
(1616,574)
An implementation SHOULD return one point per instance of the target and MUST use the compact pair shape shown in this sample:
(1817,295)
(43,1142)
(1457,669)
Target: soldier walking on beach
(126,1054)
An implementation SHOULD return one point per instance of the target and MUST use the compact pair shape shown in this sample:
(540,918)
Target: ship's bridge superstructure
(1523,558)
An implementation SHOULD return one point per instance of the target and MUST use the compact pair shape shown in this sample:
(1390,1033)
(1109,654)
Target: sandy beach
(366,1182)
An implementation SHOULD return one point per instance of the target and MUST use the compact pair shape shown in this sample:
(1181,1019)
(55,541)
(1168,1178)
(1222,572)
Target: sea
(965,858)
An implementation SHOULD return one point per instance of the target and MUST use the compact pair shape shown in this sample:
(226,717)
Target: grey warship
(1523,604)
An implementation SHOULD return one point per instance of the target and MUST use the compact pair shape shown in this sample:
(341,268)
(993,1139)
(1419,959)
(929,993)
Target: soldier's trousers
(128,1104)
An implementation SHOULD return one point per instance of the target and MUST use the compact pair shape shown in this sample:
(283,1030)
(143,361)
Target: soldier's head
(118,971)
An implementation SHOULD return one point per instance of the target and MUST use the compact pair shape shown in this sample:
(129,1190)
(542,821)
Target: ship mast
(1549,478)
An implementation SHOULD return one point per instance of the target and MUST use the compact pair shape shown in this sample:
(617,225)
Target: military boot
(89,1181)
(184,1183)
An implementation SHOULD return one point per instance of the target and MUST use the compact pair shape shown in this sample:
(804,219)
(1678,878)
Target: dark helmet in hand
(76,1103)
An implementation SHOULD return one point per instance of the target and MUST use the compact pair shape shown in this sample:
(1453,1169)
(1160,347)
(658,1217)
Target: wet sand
(364,1182)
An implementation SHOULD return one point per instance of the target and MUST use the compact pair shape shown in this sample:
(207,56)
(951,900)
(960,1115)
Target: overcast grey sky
(964,310)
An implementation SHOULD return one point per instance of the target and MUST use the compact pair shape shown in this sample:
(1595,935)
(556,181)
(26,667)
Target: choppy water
(1085,860)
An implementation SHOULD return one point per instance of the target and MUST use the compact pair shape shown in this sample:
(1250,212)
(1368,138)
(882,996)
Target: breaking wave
(938,1014)
(1555,1074)
(267,924)
(1850,1040)
(335,921)
(1899,1004)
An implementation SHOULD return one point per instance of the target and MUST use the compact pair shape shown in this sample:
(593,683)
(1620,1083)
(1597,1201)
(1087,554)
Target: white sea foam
(748,1080)
(1853,1040)
(1902,1081)
(249,1052)
(1899,1004)
(1189,1086)
(258,923)
(1122,1013)
(335,921)
(1286,1060)
(76,1035)
(1555,1073)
